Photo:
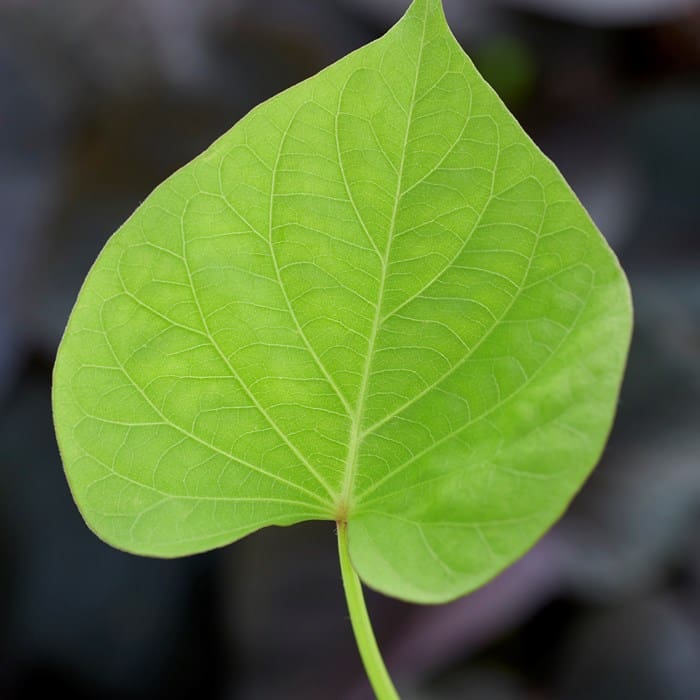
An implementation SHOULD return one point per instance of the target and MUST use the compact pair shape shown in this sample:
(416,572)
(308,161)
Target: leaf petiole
(361,625)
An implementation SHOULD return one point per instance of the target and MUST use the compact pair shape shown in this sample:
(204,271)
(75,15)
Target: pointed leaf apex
(427,9)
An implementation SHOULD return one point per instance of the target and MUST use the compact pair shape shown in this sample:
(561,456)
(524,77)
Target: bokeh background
(99,101)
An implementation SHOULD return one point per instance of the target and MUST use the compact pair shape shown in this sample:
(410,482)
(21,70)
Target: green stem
(361,625)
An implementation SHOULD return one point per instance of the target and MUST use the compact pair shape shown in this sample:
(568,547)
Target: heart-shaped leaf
(373,301)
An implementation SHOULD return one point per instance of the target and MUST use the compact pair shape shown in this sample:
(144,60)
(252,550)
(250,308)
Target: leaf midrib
(344,504)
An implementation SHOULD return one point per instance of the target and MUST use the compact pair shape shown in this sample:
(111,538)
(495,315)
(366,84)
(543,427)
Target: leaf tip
(428,10)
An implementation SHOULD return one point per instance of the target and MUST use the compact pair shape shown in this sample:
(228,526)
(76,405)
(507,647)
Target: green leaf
(372,301)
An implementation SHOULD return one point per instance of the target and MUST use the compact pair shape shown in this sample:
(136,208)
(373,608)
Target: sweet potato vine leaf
(372,301)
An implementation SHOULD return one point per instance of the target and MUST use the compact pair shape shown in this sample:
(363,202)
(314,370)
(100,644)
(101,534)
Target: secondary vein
(261,409)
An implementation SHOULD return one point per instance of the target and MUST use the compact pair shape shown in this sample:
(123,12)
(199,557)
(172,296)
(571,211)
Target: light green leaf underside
(373,298)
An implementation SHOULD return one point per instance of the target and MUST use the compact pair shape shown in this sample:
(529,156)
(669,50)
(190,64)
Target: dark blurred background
(99,101)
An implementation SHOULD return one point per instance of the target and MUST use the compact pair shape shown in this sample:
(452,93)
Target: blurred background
(99,101)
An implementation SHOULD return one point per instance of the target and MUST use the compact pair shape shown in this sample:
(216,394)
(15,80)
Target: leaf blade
(369,301)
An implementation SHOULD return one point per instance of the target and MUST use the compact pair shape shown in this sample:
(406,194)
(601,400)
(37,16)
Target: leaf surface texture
(373,299)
